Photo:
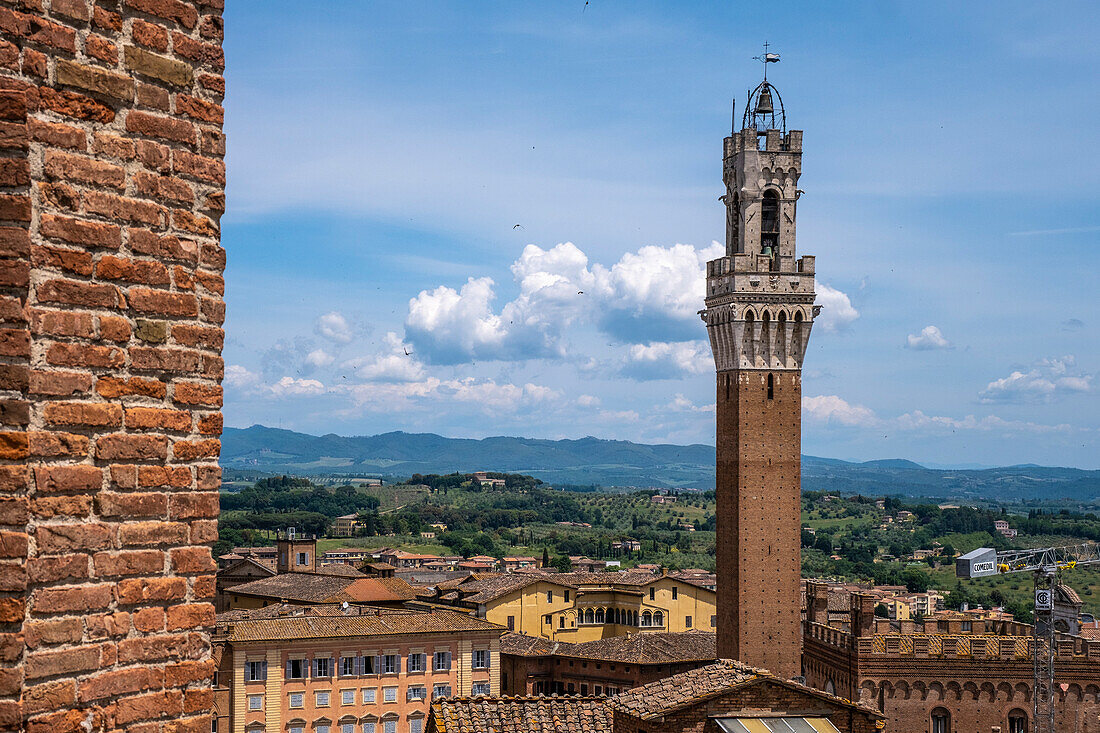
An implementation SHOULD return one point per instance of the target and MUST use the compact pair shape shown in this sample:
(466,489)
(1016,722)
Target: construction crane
(1045,563)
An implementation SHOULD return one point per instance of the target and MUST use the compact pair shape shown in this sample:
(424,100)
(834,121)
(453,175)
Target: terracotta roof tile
(522,715)
(322,588)
(662,696)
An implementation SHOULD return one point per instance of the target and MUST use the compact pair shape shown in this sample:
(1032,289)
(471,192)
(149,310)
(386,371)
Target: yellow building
(579,607)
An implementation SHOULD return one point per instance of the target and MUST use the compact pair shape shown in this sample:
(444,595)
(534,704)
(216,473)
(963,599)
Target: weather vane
(767,58)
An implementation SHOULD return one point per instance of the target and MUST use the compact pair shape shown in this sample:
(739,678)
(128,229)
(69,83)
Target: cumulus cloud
(319,358)
(918,421)
(238,377)
(928,339)
(1047,380)
(649,295)
(679,403)
(334,327)
(665,360)
(834,410)
(837,311)
(490,396)
(291,387)
(587,400)
(396,364)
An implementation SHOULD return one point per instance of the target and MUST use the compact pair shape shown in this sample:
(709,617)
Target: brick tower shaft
(759,312)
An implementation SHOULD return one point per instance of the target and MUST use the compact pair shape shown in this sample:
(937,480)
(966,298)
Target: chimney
(862,614)
(817,602)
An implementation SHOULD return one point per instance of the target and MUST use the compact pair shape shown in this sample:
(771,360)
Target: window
(549,596)
(389,726)
(255,671)
(296,669)
(297,700)
(442,690)
(713,621)
(322,728)
(548,619)
(368,665)
(303,558)
(389,664)
(511,623)
(599,690)
(347,697)
(687,622)
(647,618)
(369,695)
(322,667)
(967,626)
(368,727)
(297,729)
(769,224)
(941,721)
(675,592)
(416,662)
(1017,721)
(652,593)
(213,725)
(658,619)
(481,659)
(480,688)
(389,694)
(347,728)
(255,702)
(442,661)
(561,622)
(416,725)
(347,666)
(565,594)
(771,386)
(416,693)
(322,699)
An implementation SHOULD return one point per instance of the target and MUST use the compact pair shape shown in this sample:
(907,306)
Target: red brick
(125,209)
(72,292)
(62,538)
(167,128)
(12,610)
(76,105)
(153,533)
(211,424)
(56,444)
(59,384)
(154,155)
(198,700)
(204,53)
(163,187)
(13,136)
(75,261)
(14,510)
(165,646)
(163,359)
(62,323)
(213,82)
(64,506)
(114,328)
(63,721)
(160,302)
(145,418)
(15,342)
(133,562)
(190,616)
(15,412)
(64,568)
(150,35)
(106,20)
(189,393)
(194,505)
(199,109)
(38,29)
(131,447)
(9,55)
(112,146)
(149,95)
(90,233)
(14,274)
(101,48)
(85,414)
(149,619)
(35,63)
(210,170)
(174,10)
(191,560)
(14,172)
(57,195)
(83,170)
(148,272)
(181,674)
(194,223)
(72,599)
(178,477)
(59,695)
(194,450)
(14,242)
(84,355)
(109,504)
(203,532)
(103,625)
(120,682)
(151,706)
(81,477)
(13,579)
(67,661)
(133,591)
(165,247)
(13,544)
(14,377)
(14,446)
(112,387)
(15,208)
(76,9)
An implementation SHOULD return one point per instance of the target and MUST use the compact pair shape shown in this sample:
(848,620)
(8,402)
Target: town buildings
(759,312)
(580,607)
(311,669)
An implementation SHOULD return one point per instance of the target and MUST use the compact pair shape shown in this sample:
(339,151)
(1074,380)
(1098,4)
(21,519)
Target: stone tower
(759,310)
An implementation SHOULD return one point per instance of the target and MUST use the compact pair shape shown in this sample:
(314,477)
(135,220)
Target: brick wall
(111,308)
(759,519)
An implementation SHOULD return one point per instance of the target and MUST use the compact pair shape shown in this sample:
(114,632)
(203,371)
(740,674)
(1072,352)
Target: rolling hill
(622,463)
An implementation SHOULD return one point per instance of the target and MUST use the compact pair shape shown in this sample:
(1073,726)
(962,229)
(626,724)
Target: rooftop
(522,715)
(324,588)
(288,622)
(645,648)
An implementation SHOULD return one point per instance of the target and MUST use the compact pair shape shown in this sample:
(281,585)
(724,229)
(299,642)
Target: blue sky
(382,154)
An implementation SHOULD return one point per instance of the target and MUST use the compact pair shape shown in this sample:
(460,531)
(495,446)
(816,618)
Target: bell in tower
(764,104)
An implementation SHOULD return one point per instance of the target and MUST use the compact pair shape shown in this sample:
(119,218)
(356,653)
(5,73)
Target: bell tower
(759,311)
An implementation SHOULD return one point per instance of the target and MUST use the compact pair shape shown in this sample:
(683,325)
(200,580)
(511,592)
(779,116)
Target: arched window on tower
(771,386)
(941,721)
(769,227)
(1017,721)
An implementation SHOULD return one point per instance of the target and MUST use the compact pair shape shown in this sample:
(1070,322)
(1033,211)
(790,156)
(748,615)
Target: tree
(562,563)
(545,558)
(807,538)
(881,611)
(824,544)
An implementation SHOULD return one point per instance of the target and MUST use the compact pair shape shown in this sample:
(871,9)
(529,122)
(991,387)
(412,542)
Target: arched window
(1017,721)
(830,688)
(769,225)
(941,721)
(647,618)
(771,386)
(658,618)
(599,615)
(588,618)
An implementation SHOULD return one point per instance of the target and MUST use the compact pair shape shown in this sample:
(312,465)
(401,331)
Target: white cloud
(334,327)
(618,416)
(397,364)
(319,358)
(918,421)
(665,360)
(1048,379)
(837,312)
(489,396)
(649,295)
(679,403)
(833,409)
(291,387)
(587,400)
(239,378)
(929,338)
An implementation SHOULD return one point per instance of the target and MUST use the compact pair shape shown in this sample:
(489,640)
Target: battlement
(771,141)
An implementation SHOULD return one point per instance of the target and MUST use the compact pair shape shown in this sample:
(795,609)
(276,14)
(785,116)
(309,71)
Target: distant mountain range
(622,463)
